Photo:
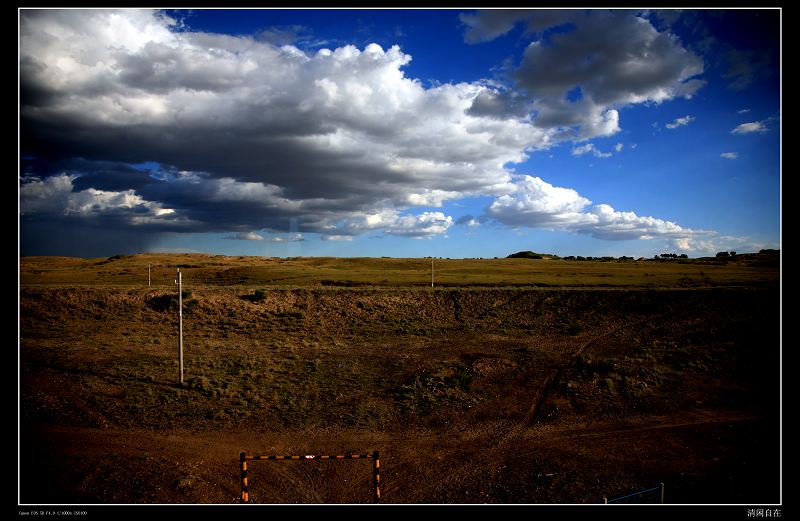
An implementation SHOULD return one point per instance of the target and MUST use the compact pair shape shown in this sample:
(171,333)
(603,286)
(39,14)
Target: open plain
(509,381)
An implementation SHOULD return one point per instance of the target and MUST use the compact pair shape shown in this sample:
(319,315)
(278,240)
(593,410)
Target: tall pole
(431,271)
(180,322)
(148,274)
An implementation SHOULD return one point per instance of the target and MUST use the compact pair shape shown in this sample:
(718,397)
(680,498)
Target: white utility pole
(148,274)
(179,282)
(431,271)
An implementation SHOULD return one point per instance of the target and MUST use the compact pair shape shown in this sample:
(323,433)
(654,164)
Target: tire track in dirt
(691,420)
(541,392)
(469,470)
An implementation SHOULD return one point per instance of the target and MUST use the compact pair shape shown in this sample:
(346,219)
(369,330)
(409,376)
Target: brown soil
(471,396)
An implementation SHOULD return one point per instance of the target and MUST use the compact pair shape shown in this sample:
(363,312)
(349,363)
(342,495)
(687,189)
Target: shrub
(258,294)
(608,384)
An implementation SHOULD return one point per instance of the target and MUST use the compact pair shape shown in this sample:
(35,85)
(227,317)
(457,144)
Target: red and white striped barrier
(244,457)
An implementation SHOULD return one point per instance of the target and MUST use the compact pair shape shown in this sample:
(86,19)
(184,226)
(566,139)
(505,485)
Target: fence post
(605,500)
(662,492)
(179,282)
(376,472)
(245,487)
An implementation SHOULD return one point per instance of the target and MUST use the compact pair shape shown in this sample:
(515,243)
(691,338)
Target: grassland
(521,381)
(218,270)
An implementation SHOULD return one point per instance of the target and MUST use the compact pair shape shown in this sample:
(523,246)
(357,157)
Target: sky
(403,133)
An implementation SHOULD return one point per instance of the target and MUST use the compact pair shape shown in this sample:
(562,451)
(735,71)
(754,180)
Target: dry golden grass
(217,270)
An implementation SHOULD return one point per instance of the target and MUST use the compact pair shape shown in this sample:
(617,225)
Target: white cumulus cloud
(295,237)
(750,128)
(729,155)
(680,122)
(538,204)
(246,236)
(590,148)
(55,195)
(426,224)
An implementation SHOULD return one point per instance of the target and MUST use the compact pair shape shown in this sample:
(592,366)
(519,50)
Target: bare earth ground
(481,395)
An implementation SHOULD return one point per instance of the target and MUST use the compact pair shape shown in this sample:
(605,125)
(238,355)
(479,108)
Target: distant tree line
(658,256)
(606,259)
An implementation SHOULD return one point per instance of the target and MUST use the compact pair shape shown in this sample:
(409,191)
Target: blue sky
(399,132)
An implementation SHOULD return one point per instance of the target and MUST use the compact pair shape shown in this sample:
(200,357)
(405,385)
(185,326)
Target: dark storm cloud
(267,155)
(331,135)
(106,175)
(741,43)
(490,24)
(298,35)
(614,58)
(88,239)
(631,64)
(500,105)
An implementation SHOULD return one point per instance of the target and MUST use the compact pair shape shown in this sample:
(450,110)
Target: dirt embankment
(341,312)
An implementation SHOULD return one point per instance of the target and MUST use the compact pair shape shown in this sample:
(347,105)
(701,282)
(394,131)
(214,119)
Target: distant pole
(148,274)
(431,271)
(179,282)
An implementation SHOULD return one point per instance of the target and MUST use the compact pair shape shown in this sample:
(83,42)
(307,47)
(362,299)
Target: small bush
(163,303)
(608,384)
(189,306)
(258,294)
